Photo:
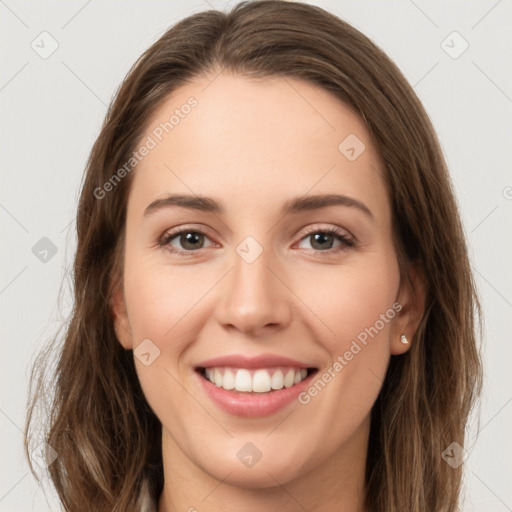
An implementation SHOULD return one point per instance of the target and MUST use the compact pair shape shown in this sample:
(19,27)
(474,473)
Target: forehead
(258,140)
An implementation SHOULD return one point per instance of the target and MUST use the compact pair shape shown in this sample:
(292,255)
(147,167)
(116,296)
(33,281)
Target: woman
(218,357)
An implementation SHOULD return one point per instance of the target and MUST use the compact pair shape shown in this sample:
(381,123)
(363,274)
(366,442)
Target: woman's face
(245,278)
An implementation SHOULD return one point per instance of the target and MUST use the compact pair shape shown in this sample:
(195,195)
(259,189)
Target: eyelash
(346,242)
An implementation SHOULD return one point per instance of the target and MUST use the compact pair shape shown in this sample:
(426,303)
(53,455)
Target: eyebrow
(294,205)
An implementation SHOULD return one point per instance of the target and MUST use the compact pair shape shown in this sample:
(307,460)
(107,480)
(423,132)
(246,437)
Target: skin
(252,145)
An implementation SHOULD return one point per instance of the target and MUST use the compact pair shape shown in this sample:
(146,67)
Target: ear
(120,317)
(411,297)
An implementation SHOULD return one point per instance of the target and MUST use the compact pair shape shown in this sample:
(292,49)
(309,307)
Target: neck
(337,483)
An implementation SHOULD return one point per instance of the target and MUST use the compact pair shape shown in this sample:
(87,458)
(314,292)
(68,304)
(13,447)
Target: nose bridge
(254,297)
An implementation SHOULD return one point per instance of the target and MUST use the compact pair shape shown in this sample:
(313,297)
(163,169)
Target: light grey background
(51,111)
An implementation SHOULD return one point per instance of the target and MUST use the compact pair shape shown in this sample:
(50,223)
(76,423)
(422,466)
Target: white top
(146,502)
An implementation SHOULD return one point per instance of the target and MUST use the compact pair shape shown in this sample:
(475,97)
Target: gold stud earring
(404,339)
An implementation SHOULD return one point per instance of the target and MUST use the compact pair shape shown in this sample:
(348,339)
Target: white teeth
(277,380)
(289,379)
(256,381)
(209,375)
(261,382)
(243,381)
(218,378)
(229,380)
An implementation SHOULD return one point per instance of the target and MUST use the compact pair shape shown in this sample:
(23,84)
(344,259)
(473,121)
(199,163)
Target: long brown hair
(106,436)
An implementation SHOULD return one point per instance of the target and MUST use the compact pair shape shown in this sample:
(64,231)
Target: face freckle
(274,274)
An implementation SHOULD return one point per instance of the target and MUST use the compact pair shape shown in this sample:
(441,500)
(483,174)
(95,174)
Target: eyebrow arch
(294,205)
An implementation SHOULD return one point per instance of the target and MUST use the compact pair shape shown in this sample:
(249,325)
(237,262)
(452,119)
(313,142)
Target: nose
(254,298)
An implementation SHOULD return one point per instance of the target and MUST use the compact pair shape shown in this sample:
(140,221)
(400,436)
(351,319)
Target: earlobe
(412,299)
(120,318)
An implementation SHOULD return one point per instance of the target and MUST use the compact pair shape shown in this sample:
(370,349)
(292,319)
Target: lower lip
(251,405)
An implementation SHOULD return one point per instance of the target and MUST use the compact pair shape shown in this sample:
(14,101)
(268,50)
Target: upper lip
(261,361)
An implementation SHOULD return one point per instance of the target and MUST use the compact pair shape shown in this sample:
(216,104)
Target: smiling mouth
(255,380)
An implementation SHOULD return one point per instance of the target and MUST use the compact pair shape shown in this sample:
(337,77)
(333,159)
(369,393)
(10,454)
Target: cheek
(350,300)
(356,309)
(160,298)
(160,302)
(353,314)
